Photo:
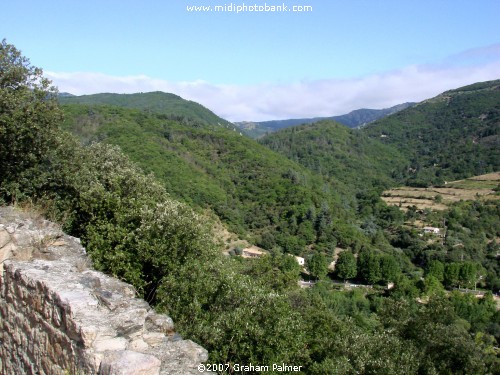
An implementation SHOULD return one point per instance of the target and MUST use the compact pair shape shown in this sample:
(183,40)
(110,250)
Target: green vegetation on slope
(338,153)
(171,105)
(452,136)
(254,190)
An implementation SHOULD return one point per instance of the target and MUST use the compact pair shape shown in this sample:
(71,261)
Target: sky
(248,62)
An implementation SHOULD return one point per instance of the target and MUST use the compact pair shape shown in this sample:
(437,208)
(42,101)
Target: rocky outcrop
(59,316)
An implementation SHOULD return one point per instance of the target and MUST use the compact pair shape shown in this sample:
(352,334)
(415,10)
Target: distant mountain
(353,119)
(452,136)
(65,95)
(170,105)
(362,117)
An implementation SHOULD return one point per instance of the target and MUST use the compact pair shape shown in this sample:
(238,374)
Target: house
(306,284)
(432,230)
(301,261)
(251,253)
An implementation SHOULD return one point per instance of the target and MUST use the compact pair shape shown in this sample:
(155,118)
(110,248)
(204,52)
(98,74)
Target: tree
(436,268)
(317,265)
(451,274)
(237,319)
(29,117)
(431,286)
(369,266)
(389,268)
(346,266)
(467,274)
(277,271)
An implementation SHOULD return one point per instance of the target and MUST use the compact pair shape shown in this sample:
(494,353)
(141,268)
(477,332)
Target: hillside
(255,191)
(339,153)
(452,136)
(352,119)
(170,105)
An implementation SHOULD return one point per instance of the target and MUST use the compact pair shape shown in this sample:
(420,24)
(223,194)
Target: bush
(28,118)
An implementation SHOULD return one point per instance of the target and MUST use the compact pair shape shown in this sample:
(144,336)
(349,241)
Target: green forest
(141,178)
(452,136)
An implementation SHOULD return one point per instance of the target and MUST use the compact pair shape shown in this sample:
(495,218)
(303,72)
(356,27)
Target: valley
(165,195)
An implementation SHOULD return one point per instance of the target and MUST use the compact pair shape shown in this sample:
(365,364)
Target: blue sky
(342,55)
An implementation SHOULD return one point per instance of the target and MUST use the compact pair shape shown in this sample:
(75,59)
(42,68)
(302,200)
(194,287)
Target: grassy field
(478,187)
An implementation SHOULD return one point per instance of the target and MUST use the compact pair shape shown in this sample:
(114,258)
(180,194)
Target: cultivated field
(478,187)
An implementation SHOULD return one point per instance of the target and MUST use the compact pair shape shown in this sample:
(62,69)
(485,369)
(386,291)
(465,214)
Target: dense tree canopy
(430,133)
(346,266)
(29,116)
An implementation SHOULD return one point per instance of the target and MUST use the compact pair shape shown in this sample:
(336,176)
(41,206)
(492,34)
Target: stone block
(160,323)
(127,362)
(112,344)
(57,316)
(87,335)
(154,338)
(7,252)
(130,322)
(138,345)
(192,351)
(4,237)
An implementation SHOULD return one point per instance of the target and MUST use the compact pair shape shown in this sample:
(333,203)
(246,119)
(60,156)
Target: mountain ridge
(356,118)
(163,103)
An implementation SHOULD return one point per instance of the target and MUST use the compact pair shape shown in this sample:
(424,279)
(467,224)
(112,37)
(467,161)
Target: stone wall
(58,316)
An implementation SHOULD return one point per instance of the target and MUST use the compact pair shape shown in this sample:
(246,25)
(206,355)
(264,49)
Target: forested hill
(254,190)
(352,119)
(169,105)
(339,153)
(452,136)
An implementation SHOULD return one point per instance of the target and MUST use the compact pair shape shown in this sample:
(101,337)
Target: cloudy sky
(331,58)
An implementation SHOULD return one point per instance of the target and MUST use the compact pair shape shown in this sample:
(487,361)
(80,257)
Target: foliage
(344,155)
(277,271)
(435,328)
(234,317)
(28,117)
(251,311)
(256,192)
(317,265)
(169,106)
(389,268)
(431,286)
(436,269)
(369,266)
(479,312)
(131,227)
(346,266)
(429,134)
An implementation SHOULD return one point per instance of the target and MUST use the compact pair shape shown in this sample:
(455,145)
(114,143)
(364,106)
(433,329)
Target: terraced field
(478,187)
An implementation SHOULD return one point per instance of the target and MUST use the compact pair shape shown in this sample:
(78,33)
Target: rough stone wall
(58,316)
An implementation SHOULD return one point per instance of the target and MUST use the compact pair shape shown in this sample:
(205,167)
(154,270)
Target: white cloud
(328,97)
